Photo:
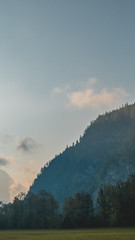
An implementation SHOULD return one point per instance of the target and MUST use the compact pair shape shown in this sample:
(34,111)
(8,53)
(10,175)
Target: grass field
(87,234)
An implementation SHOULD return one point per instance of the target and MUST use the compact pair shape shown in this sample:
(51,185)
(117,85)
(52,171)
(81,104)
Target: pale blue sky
(62,62)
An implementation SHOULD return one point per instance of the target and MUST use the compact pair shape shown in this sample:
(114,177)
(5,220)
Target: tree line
(115,206)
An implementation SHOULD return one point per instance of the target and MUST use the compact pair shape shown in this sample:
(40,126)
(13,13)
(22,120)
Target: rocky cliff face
(104,154)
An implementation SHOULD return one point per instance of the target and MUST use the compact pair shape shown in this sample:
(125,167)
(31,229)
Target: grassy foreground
(87,234)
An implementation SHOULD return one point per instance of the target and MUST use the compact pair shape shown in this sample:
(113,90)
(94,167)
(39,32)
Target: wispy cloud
(57,90)
(92,81)
(5,160)
(89,98)
(62,89)
(27,144)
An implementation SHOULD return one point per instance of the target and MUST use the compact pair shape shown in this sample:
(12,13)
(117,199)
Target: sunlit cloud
(15,188)
(29,172)
(89,98)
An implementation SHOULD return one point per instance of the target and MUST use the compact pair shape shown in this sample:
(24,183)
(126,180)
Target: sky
(62,63)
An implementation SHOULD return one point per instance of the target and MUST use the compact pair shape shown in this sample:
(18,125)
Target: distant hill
(104,154)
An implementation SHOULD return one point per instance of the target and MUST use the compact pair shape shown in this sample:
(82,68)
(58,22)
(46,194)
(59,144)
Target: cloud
(5,160)
(8,187)
(27,144)
(29,172)
(58,90)
(89,98)
(5,183)
(92,81)
(30,169)
(14,189)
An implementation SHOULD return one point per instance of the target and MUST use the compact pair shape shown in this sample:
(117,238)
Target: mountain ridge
(104,154)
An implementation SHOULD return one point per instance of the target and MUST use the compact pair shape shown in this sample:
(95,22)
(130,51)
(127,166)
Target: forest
(115,206)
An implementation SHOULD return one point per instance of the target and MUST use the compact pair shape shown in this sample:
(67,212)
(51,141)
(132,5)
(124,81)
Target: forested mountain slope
(104,154)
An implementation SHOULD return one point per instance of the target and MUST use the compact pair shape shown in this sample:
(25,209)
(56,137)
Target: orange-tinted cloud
(89,98)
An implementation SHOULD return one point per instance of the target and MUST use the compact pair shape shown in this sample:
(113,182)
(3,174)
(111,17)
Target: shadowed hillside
(104,154)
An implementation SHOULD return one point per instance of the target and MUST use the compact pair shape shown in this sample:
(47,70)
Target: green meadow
(87,234)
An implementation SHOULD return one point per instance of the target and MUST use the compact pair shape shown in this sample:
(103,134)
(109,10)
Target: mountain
(104,154)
